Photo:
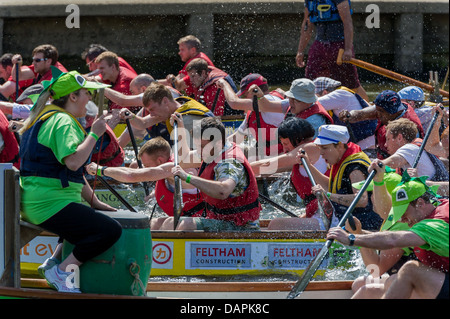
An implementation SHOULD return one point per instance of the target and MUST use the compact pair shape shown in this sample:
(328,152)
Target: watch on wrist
(351,238)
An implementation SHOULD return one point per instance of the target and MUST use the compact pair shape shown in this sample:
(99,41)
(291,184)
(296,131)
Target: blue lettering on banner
(297,256)
(220,255)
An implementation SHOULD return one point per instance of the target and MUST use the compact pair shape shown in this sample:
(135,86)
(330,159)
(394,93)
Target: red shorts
(322,58)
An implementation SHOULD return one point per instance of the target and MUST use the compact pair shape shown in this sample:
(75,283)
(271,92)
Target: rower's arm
(122,99)
(221,189)
(346,199)
(233,100)
(395,161)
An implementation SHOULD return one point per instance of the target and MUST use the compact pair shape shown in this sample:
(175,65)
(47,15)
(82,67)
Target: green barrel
(123,269)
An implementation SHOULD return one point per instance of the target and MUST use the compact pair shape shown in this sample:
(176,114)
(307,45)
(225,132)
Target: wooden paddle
(136,153)
(317,261)
(178,194)
(388,73)
(326,208)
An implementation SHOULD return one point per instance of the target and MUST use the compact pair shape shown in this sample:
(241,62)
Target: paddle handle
(178,193)
(281,208)
(389,74)
(133,141)
(119,197)
(326,221)
(425,139)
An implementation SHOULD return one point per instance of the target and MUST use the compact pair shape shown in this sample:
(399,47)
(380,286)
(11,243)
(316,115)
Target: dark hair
(61,102)
(93,51)
(296,130)
(213,123)
(6,60)
(49,52)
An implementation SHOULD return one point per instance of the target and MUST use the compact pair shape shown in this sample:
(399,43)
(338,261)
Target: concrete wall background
(242,37)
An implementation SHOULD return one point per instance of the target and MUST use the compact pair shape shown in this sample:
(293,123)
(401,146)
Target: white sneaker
(48,263)
(57,279)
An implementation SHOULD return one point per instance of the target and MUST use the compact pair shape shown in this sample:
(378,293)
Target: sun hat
(323,83)
(332,134)
(391,180)
(390,101)
(249,80)
(412,93)
(302,90)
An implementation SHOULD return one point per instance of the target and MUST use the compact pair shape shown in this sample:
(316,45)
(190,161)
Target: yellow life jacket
(336,183)
(189,106)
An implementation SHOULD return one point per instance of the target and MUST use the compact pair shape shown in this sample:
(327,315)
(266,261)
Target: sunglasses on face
(39,60)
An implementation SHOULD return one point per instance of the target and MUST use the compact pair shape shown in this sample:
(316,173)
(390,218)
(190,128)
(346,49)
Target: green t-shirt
(435,233)
(42,197)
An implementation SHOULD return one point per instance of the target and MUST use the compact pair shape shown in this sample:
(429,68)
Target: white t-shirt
(340,100)
(270,118)
(424,167)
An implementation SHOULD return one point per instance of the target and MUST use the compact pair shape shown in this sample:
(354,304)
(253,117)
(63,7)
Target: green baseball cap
(70,82)
(391,180)
(404,194)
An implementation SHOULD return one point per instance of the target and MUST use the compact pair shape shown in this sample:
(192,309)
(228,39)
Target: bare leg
(415,279)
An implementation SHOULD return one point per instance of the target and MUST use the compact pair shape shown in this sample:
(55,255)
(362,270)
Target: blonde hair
(157,146)
(403,126)
(156,92)
(110,58)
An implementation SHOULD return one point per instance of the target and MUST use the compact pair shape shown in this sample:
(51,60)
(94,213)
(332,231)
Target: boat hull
(198,253)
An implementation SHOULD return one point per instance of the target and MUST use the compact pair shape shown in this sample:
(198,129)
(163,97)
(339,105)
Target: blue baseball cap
(412,93)
(390,101)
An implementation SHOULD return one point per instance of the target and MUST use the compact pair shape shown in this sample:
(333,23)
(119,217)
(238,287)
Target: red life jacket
(122,85)
(240,209)
(302,186)
(10,152)
(316,108)
(380,131)
(428,257)
(193,205)
(252,123)
(113,155)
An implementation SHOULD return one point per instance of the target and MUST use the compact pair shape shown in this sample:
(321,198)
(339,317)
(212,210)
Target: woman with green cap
(53,152)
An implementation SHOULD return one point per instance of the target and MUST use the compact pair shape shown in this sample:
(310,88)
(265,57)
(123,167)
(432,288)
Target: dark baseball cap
(390,101)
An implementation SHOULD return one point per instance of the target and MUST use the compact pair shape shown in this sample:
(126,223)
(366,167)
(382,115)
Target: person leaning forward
(225,180)
(415,204)
(349,165)
(160,104)
(54,149)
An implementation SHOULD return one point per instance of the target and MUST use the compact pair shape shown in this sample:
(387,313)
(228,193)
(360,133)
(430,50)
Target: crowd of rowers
(338,134)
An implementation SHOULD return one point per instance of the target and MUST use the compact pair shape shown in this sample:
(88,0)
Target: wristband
(103,170)
(378,183)
(188,179)
(99,171)
(328,194)
(93,135)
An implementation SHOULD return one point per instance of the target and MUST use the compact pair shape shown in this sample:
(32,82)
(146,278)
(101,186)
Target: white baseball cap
(332,134)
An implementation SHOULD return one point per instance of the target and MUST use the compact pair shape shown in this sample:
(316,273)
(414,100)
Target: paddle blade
(309,272)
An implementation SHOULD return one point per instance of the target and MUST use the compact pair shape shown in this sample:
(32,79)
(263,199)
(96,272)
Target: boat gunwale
(244,235)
